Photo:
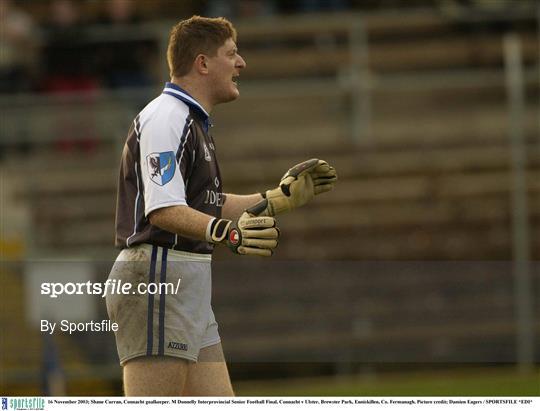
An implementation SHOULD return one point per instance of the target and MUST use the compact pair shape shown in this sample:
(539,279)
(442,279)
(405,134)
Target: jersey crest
(206,153)
(161,167)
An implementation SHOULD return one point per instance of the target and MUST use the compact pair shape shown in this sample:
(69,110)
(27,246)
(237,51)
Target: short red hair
(194,36)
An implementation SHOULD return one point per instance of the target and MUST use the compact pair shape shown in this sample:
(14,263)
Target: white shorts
(167,323)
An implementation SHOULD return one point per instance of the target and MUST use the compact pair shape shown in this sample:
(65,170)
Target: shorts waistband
(177,255)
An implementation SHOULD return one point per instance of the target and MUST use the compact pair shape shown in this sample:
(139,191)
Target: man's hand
(299,185)
(251,234)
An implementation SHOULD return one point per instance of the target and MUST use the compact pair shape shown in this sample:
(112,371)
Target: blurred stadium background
(418,276)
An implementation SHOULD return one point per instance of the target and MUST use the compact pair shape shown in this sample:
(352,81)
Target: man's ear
(201,64)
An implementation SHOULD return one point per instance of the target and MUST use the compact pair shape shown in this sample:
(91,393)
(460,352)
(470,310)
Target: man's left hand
(299,185)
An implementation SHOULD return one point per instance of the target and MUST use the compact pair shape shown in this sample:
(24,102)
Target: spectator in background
(241,8)
(18,49)
(120,12)
(125,62)
(255,8)
(223,8)
(69,64)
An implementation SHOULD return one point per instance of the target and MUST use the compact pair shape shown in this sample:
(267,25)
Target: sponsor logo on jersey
(214,198)
(161,167)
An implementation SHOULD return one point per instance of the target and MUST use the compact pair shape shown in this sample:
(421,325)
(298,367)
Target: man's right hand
(250,235)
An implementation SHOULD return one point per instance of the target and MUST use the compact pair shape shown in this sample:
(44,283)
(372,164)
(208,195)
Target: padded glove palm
(299,185)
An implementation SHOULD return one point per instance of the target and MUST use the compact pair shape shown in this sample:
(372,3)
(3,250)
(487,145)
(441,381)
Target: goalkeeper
(171,212)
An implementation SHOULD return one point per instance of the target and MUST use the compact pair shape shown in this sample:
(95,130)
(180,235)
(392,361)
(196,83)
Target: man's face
(223,71)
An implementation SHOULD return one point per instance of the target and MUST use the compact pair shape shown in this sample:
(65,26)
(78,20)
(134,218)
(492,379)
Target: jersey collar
(181,94)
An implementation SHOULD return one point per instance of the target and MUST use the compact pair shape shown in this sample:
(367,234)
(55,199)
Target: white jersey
(168,160)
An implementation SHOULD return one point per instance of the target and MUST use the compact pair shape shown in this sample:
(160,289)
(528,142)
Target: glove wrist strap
(217,230)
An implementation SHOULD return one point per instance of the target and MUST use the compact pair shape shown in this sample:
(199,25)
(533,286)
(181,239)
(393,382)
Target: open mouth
(235,79)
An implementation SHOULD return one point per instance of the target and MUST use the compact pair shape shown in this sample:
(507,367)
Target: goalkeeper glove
(251,234)
(299,185)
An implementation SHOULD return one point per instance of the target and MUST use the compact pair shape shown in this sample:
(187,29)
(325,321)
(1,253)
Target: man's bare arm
(188,222)
(248,235)
(236,204)
(181,220)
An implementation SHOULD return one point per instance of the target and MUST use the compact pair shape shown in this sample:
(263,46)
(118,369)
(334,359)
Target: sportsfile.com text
(109,287)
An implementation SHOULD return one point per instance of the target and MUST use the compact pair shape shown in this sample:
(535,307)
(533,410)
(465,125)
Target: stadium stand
(428,181)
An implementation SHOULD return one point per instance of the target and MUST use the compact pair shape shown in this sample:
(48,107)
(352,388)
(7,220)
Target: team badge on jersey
(161,167)
(206,153)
